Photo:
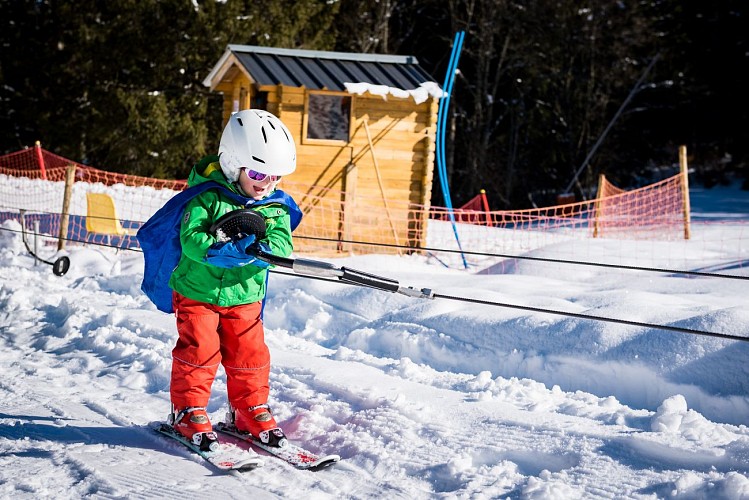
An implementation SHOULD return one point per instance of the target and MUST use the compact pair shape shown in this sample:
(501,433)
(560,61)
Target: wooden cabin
(364,126)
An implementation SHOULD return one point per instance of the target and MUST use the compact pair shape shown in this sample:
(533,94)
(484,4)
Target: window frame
(305,119)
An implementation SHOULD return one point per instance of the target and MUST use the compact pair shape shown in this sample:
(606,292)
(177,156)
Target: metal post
(22,215)
(36,242)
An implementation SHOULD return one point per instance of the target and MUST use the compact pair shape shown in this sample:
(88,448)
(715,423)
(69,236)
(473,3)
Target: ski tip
(242,466)
(249,466)
(320,464)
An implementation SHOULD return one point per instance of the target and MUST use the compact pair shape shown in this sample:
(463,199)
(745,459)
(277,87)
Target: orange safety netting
(656,211)
(34,183)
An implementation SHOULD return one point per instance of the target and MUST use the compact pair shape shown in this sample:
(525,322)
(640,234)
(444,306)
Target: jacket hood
(208,169)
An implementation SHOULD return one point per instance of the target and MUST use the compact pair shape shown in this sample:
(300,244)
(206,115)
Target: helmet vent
(265,137)
(271,125)
(258,159)
(287,135)
(240,122)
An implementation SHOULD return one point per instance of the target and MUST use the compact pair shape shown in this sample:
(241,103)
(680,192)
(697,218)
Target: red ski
(291,453)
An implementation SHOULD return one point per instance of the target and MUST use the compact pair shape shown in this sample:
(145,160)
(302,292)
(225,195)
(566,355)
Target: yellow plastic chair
(101,217)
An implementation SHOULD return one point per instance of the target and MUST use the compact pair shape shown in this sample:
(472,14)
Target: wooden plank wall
(403,138)
(394,176)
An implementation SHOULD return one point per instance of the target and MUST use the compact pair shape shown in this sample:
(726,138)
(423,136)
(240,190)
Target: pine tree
(118,84)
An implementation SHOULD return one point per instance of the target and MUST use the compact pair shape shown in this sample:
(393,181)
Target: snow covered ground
(421,398)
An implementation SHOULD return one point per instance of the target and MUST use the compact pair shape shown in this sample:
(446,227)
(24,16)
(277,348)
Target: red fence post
(40,159)
(485,202)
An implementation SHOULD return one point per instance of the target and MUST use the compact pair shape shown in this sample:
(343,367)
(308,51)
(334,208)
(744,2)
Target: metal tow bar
(309,267)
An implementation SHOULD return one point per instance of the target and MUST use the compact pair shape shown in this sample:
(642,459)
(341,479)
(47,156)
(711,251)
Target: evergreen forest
(549,93)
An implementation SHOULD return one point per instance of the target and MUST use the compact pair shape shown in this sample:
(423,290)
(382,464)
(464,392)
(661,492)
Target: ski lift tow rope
(325,271)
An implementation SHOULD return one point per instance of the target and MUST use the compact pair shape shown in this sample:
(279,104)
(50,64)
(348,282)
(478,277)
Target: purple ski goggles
(259,176)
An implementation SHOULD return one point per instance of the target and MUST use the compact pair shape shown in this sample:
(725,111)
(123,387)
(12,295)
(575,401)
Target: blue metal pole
(441,124)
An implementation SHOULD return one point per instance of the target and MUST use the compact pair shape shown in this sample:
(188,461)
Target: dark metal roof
(317,70)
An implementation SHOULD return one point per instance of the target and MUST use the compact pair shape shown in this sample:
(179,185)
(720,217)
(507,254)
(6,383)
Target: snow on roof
(335,71)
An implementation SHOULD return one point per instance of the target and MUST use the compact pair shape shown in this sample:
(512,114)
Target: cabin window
(259,100)
(328,117)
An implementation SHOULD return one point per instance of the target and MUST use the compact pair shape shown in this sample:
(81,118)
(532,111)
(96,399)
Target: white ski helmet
(257,140)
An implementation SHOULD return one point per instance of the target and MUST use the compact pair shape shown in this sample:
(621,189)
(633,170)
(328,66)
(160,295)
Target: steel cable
(537,309)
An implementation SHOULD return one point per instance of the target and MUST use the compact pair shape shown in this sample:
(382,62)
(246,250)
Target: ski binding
(228,457)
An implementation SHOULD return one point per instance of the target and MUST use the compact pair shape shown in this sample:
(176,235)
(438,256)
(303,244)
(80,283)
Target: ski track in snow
(409,393)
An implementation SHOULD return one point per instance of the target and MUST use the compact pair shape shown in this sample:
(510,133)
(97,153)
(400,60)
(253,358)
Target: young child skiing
(218,289)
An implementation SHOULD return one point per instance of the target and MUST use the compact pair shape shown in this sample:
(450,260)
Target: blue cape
(159,238)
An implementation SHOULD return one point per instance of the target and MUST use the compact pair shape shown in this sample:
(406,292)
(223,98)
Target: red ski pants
(210,335)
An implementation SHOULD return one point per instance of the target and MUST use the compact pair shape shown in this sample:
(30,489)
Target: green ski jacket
(196,279)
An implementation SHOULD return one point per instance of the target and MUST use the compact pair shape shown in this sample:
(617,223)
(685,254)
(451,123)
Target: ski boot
(197,427)
(259,422)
